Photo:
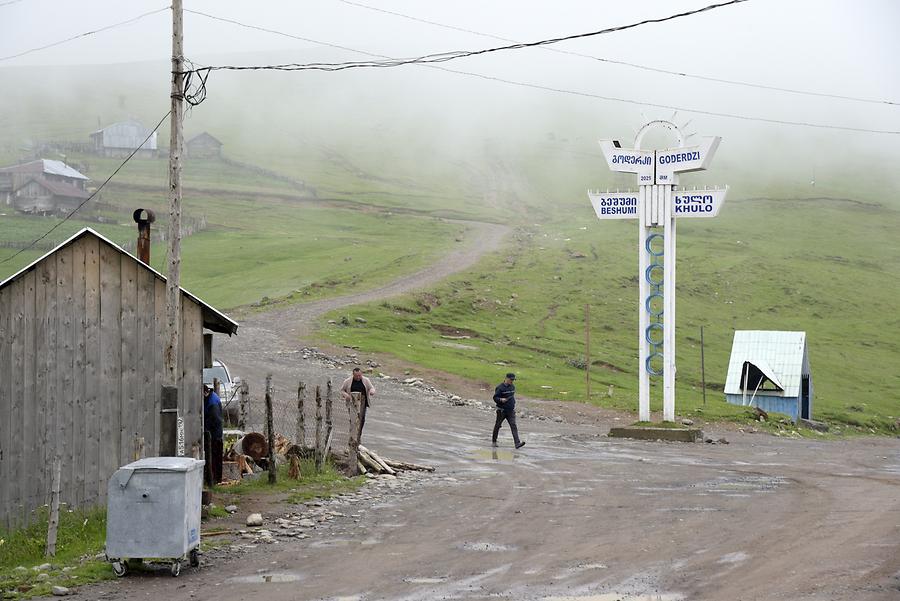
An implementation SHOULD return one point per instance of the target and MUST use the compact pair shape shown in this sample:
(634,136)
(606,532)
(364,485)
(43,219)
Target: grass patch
(311,485)
(80,537)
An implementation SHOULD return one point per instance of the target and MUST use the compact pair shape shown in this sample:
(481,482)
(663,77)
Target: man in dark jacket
(212,432)
(505,399)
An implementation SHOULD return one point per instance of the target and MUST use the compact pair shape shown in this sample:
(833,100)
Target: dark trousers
(362,416)
(510,416)
(213,454)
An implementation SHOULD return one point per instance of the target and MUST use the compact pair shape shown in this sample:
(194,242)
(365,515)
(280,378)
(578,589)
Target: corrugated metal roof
(60,168)
(127,135)
(781,353)
(59,188)
(212,318)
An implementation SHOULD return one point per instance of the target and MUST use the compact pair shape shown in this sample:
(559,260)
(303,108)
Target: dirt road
(573,515)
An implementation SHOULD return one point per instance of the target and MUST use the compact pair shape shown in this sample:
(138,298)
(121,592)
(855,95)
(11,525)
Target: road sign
(684,159)
(699,203)
(657,205)
(614,205)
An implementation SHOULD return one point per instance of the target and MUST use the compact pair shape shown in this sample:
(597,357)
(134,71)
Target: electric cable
(626,63)
(393,62)
(85,34)
(93,194)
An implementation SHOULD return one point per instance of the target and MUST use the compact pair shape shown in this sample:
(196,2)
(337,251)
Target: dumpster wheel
(194,558)
(120,568)
(176,568)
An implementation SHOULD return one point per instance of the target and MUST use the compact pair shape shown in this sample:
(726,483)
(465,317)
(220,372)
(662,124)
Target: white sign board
(685,159)
(699,203)
(614,205)
(629,161)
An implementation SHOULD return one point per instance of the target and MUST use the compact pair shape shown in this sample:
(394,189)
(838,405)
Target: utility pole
(171,377)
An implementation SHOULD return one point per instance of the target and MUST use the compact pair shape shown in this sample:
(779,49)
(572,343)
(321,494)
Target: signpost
(656,205)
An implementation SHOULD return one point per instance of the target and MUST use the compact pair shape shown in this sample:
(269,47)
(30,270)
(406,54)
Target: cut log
(404,466)
(369,463)
(378,460)
(360,467)
(294,470)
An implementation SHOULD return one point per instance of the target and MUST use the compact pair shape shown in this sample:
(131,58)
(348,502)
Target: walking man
(505,399)
(363,385)
(212,435)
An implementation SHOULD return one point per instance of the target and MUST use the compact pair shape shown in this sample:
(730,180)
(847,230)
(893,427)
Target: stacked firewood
(370,462)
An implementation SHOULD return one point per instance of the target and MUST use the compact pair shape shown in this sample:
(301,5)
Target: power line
(93,194)
(442,57)
(85,34)
(626,63)
(396,62)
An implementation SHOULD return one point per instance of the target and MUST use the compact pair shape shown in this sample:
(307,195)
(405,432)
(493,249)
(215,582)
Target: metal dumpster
(153,511)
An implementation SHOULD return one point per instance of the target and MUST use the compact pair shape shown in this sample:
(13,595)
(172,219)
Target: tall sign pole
(172,377)
(657,205)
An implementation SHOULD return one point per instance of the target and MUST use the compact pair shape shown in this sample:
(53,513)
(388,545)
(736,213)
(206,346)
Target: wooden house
(42,186)
(121,139)
(770,370)
(204,146)
(82,333)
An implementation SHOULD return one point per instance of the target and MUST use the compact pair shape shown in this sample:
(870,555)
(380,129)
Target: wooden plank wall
(81,339)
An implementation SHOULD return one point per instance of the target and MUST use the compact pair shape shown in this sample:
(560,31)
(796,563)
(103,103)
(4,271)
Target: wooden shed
(204,146)
(82,334)
(770,370)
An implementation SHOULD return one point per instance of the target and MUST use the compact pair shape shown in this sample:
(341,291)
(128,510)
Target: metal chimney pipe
(143,241)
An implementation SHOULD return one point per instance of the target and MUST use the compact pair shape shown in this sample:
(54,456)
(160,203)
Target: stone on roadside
(60,591)
(45,567)
(231,508)
(42,577)
(687,422)
(255,519)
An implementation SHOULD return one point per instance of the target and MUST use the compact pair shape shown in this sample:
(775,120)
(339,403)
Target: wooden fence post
(54,510)
(301,420)
(271,431)
(319,439)
(353,406)
(245,406)
(329,422)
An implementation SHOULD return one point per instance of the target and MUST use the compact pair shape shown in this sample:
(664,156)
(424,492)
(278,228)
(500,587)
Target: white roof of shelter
(779,355)
(60,168)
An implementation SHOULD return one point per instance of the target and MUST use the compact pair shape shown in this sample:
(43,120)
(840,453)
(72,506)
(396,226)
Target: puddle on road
(493,454)
(274,577)
(438,580)
(737,557)
(487,547)
(619,597)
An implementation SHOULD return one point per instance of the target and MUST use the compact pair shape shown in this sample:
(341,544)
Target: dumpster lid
(158,464)
(166,464)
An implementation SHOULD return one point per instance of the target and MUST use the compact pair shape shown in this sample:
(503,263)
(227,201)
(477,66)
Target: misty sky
(830,46)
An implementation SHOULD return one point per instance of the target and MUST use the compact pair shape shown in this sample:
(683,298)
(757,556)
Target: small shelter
(770,370)
(82,333)
(42,186)
(121,139)
(204,146)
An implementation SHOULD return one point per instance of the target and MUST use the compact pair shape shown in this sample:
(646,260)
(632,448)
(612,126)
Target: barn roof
(213,319)
(59,188)
(46,166)
(204,135)
(780,356)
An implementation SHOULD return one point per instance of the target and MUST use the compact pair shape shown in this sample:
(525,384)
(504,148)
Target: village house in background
(82,332)
(770,370)
(42,186)
(120,140)
(204,146)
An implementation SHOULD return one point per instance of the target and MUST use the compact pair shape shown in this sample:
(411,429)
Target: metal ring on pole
(649,242)
(650,299)
(651,329)
(648,275)
(650,369)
